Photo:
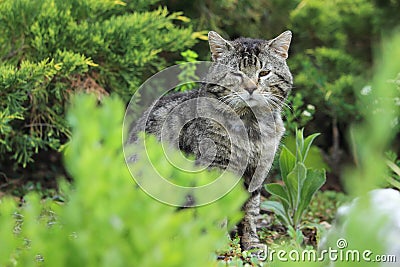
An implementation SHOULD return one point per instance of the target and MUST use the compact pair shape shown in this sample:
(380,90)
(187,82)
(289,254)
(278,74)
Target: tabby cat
(250,76)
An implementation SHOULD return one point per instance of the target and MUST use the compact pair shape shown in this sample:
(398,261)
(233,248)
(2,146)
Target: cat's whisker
(235,100)
(273,104)
(224,97)
(268,97)
(239,100)
(278,99)
(229,99)
(281,102)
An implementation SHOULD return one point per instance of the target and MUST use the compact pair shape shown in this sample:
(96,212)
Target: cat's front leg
(248,226)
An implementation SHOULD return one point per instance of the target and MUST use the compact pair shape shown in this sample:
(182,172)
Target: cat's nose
(251,88)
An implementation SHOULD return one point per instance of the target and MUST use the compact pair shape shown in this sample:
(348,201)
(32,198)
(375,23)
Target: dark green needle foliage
(50,49)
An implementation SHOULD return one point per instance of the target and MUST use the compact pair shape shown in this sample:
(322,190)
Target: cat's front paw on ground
(255,249)
(249,241)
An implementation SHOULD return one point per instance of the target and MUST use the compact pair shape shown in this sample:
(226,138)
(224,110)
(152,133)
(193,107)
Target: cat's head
(256,74)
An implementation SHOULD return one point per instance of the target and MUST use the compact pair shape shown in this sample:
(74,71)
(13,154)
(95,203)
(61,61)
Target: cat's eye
(263,73)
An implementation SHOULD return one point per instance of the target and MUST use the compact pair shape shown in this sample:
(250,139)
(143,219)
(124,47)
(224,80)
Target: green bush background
(51,49)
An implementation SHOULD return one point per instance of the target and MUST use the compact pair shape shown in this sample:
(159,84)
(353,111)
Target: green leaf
(299,145)
(307,144)
(296,234)
(295,182)
(280,192)
(278,209)
(313,182)
(287,161)
(299,237)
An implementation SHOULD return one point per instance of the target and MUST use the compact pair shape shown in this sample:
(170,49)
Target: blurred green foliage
(107,219)
(378,132)
(50,49)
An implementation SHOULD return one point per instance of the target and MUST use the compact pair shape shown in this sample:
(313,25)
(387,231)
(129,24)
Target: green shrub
(50,49)
(108,220)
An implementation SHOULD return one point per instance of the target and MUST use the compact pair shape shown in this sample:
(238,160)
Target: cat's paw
(257,250)
(249,240)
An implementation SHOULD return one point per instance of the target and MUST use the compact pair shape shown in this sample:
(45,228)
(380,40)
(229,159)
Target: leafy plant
(315,158)
(107,220)
(300,184)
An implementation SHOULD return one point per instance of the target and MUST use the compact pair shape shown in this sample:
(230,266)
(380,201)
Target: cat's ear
(281,44)
(218,45)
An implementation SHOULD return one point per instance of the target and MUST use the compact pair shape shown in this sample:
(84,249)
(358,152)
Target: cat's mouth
(244,102)
(252,100)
